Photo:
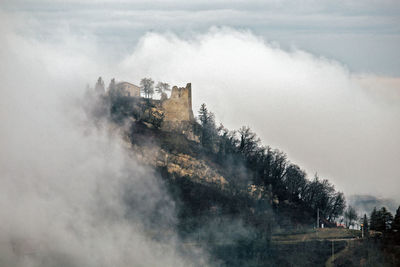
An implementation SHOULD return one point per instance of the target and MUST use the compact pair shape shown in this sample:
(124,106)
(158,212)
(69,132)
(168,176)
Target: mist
(336,123)
(63,179)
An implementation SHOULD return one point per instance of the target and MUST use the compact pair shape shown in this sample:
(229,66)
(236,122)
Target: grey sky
(363,35)
(333,109)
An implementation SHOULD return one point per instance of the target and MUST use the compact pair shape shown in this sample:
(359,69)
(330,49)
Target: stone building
(175,112)
(128,89)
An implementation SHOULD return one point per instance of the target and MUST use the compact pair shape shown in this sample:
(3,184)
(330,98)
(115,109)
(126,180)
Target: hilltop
(230,191)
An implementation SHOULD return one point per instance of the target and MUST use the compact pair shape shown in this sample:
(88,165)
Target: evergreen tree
(203,114)
(209,132)
(396,221)
(112,85)
(112,89)
(373,219)
(365,225)
(385,219)
(99,88)
(381,219)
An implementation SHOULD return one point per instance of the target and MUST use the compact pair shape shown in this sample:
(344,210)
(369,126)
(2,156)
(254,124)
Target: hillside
(231,193)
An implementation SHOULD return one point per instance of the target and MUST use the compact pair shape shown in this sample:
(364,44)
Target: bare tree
(147,87)
(295,182)
(162,87)
(350,215)
(249,142)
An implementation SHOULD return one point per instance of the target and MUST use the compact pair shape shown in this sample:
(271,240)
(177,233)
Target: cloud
(362,34)
(63,181)
(311,107)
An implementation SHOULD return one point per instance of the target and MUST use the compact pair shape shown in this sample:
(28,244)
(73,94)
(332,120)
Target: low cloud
(314,108)
(64,182)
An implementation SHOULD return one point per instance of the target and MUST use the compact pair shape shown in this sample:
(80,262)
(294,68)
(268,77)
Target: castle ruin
(178,113)
(176,110)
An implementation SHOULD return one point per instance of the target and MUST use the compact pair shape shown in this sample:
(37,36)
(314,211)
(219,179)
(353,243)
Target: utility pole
(333,252)
(362,230)
(317,217)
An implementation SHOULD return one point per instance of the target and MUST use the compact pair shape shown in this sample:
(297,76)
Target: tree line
(241,152)
(382,220)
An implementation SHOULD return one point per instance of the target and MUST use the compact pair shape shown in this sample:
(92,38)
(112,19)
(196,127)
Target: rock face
(181,165)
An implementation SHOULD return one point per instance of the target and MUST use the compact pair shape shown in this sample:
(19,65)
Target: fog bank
(64,181)
(340,124)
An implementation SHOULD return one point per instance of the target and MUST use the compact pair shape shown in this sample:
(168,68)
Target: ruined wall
(178,107)
(178,113)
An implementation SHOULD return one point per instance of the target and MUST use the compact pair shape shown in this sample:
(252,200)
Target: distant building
(128,89)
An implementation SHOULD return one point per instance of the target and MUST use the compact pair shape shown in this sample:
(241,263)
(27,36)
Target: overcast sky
(317,79)
(362,34)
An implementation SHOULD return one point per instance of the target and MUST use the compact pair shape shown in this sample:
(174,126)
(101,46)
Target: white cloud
(54,174)
(63,181)
(313,108)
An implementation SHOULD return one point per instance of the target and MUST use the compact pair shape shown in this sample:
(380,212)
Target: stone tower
(178,108)
(178,113)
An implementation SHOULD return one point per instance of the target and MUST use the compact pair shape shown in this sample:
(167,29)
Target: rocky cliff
(181,166)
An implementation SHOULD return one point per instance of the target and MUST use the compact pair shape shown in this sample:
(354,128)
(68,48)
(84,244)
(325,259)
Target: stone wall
(178,107)
(178,113)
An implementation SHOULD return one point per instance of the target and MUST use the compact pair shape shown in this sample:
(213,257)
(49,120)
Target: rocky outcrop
(181,165)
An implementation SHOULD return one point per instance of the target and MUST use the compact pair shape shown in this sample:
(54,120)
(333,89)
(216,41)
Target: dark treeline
(243,160)
(382,221)
(284,183)
(241,155)
(381,243)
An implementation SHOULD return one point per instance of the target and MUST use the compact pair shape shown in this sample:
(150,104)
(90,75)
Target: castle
(178,113)
(176,110)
